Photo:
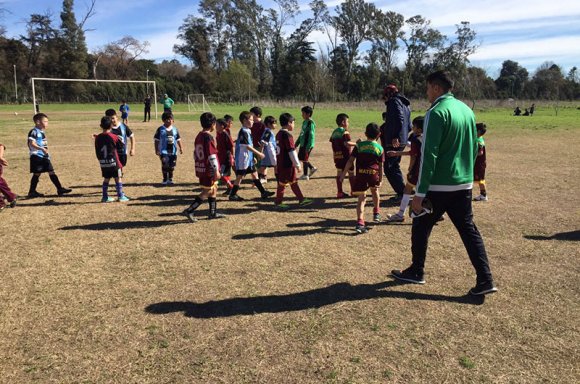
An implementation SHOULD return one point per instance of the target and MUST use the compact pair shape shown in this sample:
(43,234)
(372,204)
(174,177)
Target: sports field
(134,293)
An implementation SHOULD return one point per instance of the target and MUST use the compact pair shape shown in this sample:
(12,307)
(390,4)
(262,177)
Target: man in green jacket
(445,182)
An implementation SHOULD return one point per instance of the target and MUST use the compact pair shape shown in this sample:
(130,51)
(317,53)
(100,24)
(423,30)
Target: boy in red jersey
(258,128)
(225,148)
(107,148)
(4,188)
(369,156)
(480,162)
(287,163)
(341,148)
(207,168)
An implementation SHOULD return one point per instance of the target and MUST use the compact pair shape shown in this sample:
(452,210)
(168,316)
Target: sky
(530,32)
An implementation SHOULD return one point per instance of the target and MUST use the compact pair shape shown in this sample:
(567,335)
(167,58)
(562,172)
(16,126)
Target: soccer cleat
(396,218)
(377,217)
(123,198)
(189,214)
(170,182)
(480,198)
(33,194)
(63,191)
(408,276)
(268,194)
(165,182)
(216,216)
(483,288)
(305,202)
(12,204)
(236,198)
(361,228)
(227,192)
(282,207)
(304,177)
(313,171)
(107,200)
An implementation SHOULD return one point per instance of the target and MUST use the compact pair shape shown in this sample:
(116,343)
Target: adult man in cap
(394,134)
(167,103)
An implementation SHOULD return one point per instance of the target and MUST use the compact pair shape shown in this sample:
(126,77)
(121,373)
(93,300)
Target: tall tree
(387,31)
(73,52)
(196,46)
(512,79)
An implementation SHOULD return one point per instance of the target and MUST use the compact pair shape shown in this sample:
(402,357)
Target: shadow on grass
(300,301)
(124,225)
(563,236)
(201,213)
(150,184)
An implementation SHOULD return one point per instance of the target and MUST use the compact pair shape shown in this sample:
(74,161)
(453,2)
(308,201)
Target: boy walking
(207,168)
(124,109)
(107,148)
(369,157)
(7,194)
(268,148)
(167,140)
(480,163)
(306,142)
(341,149)
(225,150)
(40,158)
(123,132)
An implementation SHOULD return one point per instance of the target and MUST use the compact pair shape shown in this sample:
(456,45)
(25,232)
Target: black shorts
(40,164)
(123,159)
(168,162)
(111,172)
(244,172)
(303,154)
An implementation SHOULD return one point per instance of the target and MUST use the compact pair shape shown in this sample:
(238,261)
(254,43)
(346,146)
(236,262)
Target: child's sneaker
(123,198)
(481,198)
(63,191)
(377,217)
(396,218)
(342,195)
(361,228)
(268,194)
(236,198)
(305,202)
(12,204)
(313,171)
(165,182)
(189,214)
(107,200)
(34,194)
(216,215)
(170,182)
(304,177)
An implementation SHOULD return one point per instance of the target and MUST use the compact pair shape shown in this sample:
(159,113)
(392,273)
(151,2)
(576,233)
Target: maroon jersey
(257,130)
(340,148)
(369,156)
(413,175)
(285,143)
(205,148)
(225,147)
(107,148)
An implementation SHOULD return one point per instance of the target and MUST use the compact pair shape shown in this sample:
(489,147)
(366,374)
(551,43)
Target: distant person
(517,111)
(167,141)
(480,163)
(532,109)
(124,109)
(107,148)
(167,104)
(7,194)
(306,141)
(526,112)
(147,109)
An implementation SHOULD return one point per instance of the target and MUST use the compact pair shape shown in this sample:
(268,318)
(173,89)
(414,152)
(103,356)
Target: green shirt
(168,103)
(306,138)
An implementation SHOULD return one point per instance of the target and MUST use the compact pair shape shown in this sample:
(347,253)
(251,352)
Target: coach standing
(446,179)
(394,136)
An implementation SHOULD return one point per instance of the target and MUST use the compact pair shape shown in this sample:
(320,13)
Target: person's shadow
(565,236)
(299,301)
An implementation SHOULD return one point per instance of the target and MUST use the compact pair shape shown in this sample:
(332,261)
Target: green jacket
(449,147)
(307,134)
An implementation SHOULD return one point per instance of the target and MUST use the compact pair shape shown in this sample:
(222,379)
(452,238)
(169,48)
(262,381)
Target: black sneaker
(216,216)
(361,228)
(268,194)
(227,192)
(189,214)
(32,195)
(408,276)
(12,204)
(63,191)
(483,288)
(236,198)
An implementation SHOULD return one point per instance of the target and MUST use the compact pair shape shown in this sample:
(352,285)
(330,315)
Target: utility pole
(147,74)
(15,85)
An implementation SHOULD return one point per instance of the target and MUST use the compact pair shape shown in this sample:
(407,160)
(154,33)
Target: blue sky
(527,31)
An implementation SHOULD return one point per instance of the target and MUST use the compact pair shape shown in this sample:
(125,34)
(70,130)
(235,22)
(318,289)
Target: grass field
(133,293)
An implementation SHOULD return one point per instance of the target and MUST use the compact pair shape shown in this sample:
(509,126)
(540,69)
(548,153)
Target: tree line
(238,50)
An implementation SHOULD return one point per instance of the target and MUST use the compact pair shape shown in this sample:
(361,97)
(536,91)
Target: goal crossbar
(92,81)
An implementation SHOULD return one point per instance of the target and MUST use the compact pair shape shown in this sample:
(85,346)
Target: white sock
(404,203)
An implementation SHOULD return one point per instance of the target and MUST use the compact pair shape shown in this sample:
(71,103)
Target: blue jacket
(398,124)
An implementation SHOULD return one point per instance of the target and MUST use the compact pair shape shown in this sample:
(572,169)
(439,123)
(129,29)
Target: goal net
(196,103)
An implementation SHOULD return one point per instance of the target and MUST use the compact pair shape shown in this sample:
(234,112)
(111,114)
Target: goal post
(96,81)
(196,103)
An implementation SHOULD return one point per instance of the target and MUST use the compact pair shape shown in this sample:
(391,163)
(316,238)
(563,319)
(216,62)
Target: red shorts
(365,181)
(207,182)
(286,175)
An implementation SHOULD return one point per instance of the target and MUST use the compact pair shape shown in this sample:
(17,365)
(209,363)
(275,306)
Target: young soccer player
(413,175)
(369,156)
(123,132)
(40,158)
(306,142)
(5,190)
(244,158)
(287,165)
(167,140)
(229,123)
(480,163)
(258,128)
(341,148)
(225,150)
(107,148)
(268,148)
(207,168)
(124,109)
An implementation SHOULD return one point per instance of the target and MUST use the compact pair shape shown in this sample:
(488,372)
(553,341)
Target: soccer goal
(36,79)
(196,103)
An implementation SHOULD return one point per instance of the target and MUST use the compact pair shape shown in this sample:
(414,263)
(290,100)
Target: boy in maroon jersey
(369,156)
(341,148)
(225,148)
(107,148)
(258,128)
(287,163)
(207,168)
(5,191)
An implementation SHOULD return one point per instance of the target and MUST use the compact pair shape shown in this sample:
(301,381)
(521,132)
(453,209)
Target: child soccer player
(258,128)
(123,132)
(229,123)
(107,147)
(480,162)
(207,168)
(369,156)
(287,165)
(225,149)
(341,148)
(40,158)
(124,109)
(7,194)
(268,148)
(306,142)
(244,158)
(167,140)
(413,176)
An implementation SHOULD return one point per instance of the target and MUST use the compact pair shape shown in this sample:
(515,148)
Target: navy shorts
(40,164)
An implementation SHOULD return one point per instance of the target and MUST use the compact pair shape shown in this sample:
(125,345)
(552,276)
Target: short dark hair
(110,112)
(221,122)
(481,128)
(244,115)
(372,131)
(308,110)
(269,120)
(442,79)
(286,119)
(166,115)
(38,116)
(418,122)
(256,111)
(340,118)
(228,118)
(106,122)
(207,119)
